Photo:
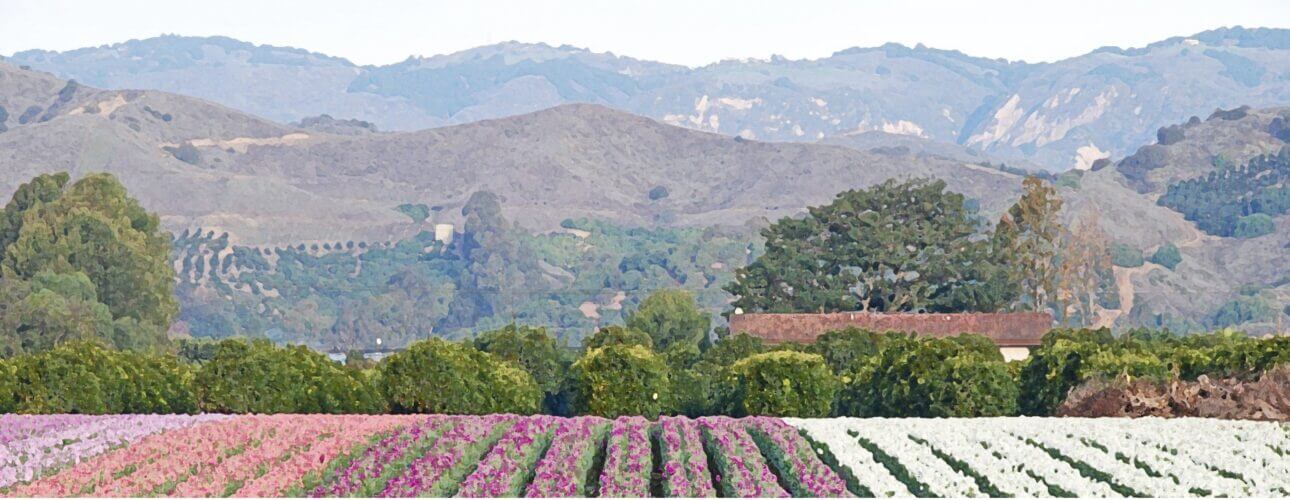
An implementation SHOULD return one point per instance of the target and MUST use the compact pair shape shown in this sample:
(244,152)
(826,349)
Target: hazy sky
(691,32)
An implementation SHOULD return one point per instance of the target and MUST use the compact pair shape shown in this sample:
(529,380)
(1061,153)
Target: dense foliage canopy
(437,376)
(84,377)
(83,261)
(621,380)
(897,246)
(783,383)
(259,377)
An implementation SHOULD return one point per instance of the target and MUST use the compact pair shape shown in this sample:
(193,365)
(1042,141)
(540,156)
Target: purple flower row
(31,445)
(804,473)
(685,465)
(505,470)
(628,459)
(367,473)
(563,471)
(438,471)
(742,472)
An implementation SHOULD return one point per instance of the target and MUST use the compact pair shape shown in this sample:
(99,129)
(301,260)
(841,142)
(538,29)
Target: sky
(691,32)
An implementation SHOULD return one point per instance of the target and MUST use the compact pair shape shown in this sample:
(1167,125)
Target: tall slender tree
(1028,235)
(1085,266)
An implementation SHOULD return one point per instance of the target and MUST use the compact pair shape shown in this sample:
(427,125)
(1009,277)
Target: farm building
(1015,333)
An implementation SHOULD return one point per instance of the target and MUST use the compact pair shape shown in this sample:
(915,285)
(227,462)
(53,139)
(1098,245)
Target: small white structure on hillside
(443,233)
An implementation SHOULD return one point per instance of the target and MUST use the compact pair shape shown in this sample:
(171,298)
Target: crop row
(542,456)
(1064,457)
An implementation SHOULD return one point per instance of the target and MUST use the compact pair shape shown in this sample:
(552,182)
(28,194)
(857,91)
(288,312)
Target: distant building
(1015,333)
(443,233)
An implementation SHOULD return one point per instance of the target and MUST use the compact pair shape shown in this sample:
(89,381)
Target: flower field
(543,456)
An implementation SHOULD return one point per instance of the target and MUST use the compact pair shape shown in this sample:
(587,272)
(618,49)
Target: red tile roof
(1006,329)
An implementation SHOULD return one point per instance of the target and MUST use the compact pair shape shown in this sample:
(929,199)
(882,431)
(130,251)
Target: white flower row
(1146,449)
(892,437)
(1010,468)
(1073,442)
(1244,448)
(1185,457)
(855,458)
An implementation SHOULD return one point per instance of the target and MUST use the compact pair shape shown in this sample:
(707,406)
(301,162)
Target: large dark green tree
(70,253)
(897,246)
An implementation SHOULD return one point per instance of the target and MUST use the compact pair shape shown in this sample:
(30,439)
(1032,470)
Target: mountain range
(1058,116)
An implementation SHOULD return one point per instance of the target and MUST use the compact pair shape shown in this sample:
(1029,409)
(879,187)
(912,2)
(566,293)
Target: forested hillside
(347,294)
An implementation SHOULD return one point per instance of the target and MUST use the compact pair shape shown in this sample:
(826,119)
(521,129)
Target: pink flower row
(248,456)
(563,471)
(32,445)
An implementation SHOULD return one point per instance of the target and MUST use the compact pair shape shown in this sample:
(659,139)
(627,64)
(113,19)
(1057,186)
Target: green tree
(846,350)
(94,228)
(1167,255)
(85,377)
(259,377)
(617,335)
(437,376)
(41,190)
(532,349)
(1126,255)
(621,380)
(49,310)
(897,246)
(670,317)
(785,384)
(1028,235)
(963,376)
(1254,225)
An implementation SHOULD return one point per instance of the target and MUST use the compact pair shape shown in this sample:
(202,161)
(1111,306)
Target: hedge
(931,377)
(85,377)
(260,377)
(621,380)
(784,384)
(437,376)
(1067,358)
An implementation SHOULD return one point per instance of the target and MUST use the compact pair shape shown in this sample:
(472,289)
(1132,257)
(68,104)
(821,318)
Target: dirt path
(240,144)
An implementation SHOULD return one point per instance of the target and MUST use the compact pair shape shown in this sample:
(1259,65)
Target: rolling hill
(1219,278)
(203,165)
(1060,115)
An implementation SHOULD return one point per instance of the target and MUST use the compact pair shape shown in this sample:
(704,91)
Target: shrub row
(1066,358)
(845,373)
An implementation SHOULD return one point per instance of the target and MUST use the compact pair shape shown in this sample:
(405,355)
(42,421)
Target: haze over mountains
(1057,115)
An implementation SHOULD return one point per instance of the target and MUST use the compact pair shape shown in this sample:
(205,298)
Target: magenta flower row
(804,472)
(505,470)
(628,459)
(430,474)
(685,465)
(742,472)
(563,471)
